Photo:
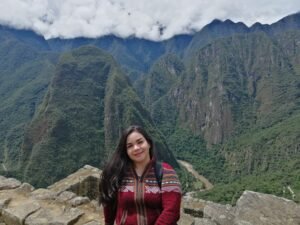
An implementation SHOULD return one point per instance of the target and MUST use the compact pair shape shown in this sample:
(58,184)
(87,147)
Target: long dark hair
(113,172)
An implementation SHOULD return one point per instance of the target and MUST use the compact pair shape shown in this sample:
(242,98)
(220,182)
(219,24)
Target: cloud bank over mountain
(154,20)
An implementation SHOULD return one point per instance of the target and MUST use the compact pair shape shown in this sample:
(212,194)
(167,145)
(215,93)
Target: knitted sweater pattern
(142,202)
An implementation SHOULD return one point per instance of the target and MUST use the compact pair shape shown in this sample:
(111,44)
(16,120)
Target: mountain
(231,75)
(213,31)
(53,108)
(87,105)
(26,37)
(134,55)
(226,99)
(240,95)
(25,74)
(232,109)
(287,23)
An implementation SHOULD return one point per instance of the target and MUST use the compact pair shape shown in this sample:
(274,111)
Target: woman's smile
(135,188)
(138,148)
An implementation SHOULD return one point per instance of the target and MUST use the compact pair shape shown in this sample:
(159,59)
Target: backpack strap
(158,170)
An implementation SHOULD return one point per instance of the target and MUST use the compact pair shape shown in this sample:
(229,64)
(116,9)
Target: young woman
(129,189)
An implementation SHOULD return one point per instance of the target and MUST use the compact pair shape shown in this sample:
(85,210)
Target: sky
(150,19)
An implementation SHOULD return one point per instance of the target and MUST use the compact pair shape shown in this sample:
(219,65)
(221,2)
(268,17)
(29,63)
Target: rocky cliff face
(88,103)
(252,208)
(231,84)
(73,201)
(227,101)
(21,203)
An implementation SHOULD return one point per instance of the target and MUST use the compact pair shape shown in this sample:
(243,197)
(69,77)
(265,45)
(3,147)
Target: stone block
(54,217)
(17,215)
(8,183)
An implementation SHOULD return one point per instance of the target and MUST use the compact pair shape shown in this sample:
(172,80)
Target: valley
(207,184)
(226,99)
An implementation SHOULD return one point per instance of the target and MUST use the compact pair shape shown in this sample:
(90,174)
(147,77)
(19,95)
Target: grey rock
(221,214)
(94,169)
(65,196)
(25,188)
(93,223)
(263,209)
(203,221)
(84,182)
(96,205)
(54,217)
(3,203)
(43,194)
(185,219)
(189,196)
(8,183)
(193,206)
(41,217)
(16,215)
(24,205)
(79,201)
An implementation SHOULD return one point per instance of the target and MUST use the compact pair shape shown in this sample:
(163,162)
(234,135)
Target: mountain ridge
(124,51)
(221,99)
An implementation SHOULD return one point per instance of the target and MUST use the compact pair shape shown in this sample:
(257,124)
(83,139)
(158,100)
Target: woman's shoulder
(168,170)
(170,181)
(167,166)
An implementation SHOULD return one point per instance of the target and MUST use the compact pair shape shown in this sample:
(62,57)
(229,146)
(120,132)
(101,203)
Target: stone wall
(252,208)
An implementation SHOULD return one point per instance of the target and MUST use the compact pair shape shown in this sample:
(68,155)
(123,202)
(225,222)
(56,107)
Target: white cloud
(140,18)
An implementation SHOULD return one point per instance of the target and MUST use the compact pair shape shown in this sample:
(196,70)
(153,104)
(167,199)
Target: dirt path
(189,167)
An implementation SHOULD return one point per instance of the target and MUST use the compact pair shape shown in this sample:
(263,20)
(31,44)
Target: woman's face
(138,149)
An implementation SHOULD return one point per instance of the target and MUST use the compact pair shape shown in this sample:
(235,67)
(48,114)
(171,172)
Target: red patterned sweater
(142,202)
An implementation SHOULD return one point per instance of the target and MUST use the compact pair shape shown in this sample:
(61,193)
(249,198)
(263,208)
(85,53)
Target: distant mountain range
(225,99)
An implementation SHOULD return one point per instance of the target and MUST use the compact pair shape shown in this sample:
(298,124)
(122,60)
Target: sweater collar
(147,168)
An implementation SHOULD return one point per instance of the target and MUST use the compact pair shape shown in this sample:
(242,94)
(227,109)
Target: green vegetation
(229,105)
(77,120)
(276,183)
(191,148)
(265,160)
(162,77)
(124,102)
(67,131)
(235,115)
(188,181)
(24,78)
